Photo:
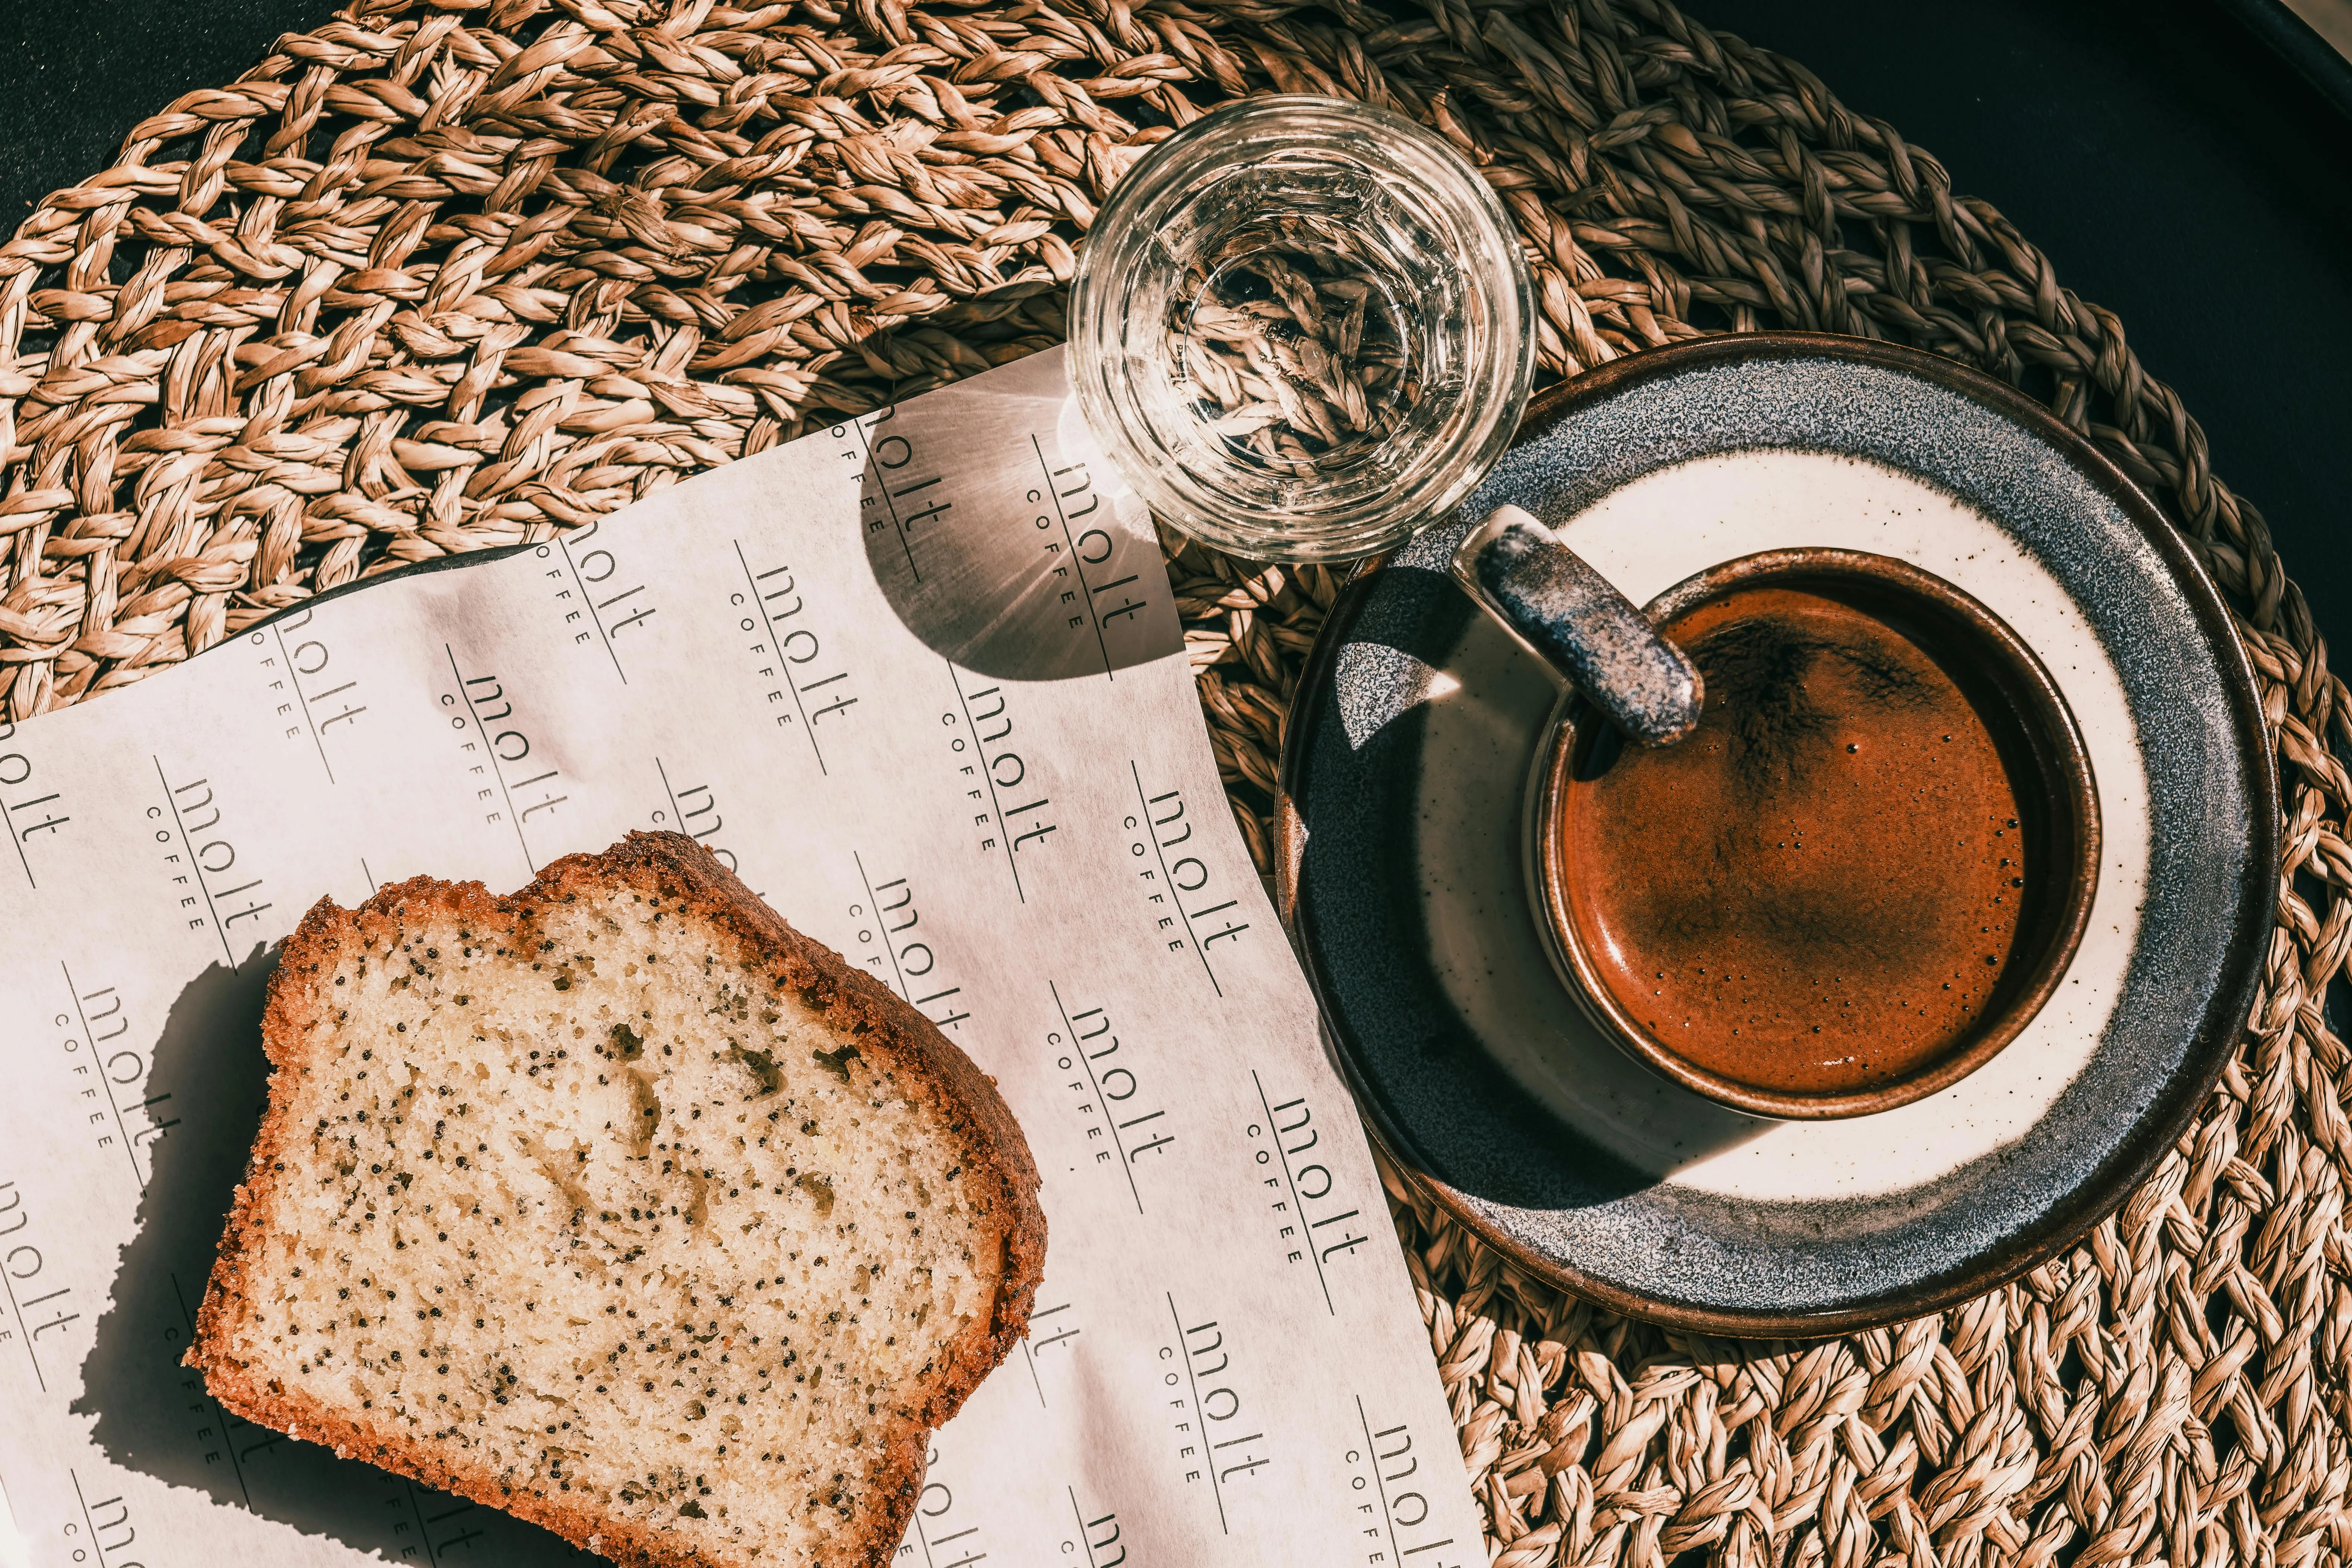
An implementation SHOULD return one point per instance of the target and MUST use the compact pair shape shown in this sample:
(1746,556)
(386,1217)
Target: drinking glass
(1301,327)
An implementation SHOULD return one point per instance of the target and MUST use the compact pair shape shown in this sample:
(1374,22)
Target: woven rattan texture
(446,276)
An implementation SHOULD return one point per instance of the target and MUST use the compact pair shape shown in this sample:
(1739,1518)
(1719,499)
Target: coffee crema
(1820,891)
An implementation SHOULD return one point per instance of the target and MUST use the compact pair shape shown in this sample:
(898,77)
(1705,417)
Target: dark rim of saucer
(2211,1049)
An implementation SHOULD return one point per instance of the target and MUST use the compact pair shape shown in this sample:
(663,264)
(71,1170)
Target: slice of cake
(620,1206)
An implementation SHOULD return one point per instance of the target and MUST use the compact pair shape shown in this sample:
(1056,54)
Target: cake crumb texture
(622,1207)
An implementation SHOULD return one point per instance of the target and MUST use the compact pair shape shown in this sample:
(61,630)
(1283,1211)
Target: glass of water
(1302,328)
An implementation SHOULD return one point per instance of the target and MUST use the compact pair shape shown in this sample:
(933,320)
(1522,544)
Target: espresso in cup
(1813,835)
(1860,874)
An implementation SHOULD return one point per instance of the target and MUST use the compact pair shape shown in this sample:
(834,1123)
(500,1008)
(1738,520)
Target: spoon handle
(1575,620)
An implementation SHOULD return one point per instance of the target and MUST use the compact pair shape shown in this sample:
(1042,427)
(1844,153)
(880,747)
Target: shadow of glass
(154,1415)
(1413,900)
(1004,540)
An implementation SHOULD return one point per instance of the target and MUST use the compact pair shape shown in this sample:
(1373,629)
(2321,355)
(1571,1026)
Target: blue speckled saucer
(1405,779)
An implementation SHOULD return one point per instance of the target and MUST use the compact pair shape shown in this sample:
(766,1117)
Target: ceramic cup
(1813,835)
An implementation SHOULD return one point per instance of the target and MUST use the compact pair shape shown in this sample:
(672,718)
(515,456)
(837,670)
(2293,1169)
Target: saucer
(1410,755)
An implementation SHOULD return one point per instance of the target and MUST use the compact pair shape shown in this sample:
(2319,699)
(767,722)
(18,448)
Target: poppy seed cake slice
(620,1206)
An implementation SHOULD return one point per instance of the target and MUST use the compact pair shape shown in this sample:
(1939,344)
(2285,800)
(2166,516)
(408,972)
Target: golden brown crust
(674,868)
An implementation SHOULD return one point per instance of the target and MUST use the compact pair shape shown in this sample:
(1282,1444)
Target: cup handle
(1575,620)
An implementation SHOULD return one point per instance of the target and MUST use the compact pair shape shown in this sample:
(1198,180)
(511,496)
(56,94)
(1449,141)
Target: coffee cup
(1814,834)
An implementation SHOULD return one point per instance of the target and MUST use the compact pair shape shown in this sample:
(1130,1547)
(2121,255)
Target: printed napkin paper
(918,679)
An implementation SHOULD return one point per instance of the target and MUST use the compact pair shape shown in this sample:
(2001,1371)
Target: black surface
(77,75)
(2180,172)
(2300,45)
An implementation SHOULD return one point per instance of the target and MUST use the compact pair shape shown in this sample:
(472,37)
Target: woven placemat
(450,275)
